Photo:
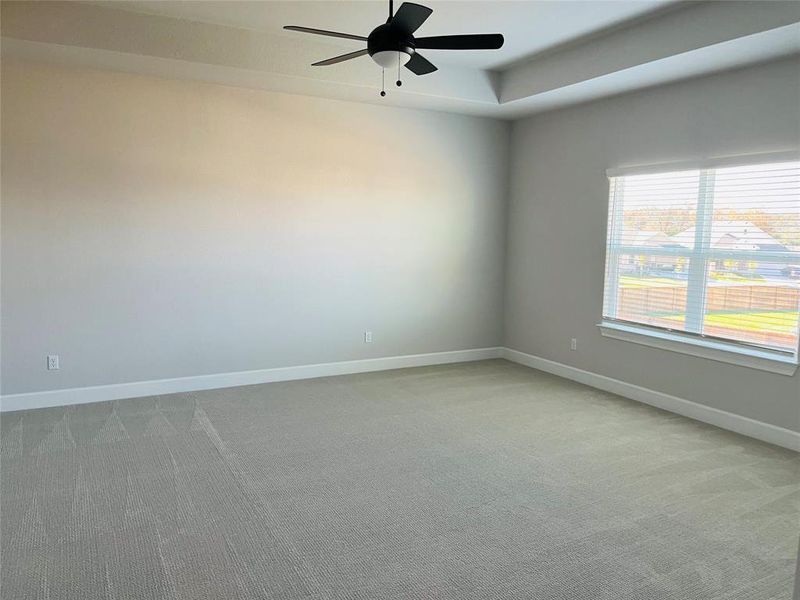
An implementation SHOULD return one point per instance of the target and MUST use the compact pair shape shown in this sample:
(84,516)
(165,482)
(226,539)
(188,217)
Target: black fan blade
(481,41)
(410,16)
(340,58)
(336,34)
(419,65)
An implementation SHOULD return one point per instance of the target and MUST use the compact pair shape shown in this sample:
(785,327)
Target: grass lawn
(630,281)
(627,281)
(734,277)
(774,321)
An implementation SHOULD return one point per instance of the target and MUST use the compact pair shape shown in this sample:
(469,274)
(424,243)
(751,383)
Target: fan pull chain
(399,83)
(383,82)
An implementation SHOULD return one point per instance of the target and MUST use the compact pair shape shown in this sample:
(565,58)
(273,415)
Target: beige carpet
(482,480)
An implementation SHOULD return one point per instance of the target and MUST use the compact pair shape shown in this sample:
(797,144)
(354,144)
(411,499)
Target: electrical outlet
(367,337)
(573,344)
(52,362)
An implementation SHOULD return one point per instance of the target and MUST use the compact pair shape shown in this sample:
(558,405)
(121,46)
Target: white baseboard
(138,389)
(714,416)
(700,412)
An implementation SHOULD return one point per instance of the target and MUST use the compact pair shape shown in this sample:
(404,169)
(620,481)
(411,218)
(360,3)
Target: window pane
(651,290)
(657,208)
(740,229)
(757,208)
(755,302)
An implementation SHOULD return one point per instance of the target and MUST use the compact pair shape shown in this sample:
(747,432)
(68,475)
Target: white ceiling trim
(530,26)
(690,41)
(753,49)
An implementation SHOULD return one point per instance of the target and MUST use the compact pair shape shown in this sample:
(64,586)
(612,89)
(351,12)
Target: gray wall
(557,224)
(155,229)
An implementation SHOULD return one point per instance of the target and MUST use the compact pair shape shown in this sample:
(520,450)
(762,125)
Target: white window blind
(712,253)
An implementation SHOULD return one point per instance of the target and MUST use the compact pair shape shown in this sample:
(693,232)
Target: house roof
(734,235)
(643,237)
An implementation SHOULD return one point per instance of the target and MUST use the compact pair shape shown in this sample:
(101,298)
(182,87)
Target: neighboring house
(744,235)
(733,235)
(725,235)
(648,263)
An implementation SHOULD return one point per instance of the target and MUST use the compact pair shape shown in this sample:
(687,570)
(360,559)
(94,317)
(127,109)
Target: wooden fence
(656,303)
(727,297)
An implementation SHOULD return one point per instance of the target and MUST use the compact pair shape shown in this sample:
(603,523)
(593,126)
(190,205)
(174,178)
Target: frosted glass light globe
(388,59)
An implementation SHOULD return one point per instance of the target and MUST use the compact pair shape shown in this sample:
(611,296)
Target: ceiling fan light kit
(393,44)
(387,59)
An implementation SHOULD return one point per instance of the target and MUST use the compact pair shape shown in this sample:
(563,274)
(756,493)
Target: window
(710,256)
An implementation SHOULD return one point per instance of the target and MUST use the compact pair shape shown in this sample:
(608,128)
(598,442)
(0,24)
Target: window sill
(762,360)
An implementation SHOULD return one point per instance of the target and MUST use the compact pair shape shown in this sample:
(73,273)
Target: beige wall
(155,229)
(557,224)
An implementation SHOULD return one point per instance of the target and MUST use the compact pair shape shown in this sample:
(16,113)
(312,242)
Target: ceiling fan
(393,43)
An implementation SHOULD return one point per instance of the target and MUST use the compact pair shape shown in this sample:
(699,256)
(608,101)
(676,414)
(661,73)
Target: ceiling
(530,27)
(557,52)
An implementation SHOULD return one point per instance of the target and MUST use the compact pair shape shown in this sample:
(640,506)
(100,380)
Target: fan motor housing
(387,38)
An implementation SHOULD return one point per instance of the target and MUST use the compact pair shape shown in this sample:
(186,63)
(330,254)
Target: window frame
(692,340)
